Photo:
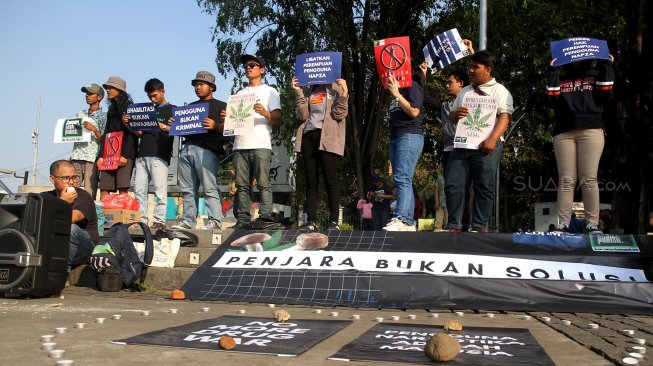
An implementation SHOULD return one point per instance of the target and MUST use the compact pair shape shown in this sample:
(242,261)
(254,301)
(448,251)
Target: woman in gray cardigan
(321,140)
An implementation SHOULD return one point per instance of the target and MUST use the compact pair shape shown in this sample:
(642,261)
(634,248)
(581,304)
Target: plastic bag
(120,201)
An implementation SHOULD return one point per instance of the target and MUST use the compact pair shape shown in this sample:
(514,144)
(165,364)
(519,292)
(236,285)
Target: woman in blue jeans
(406,143)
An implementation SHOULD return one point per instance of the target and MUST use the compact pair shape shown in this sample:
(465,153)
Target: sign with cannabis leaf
(240,114)
(478,124)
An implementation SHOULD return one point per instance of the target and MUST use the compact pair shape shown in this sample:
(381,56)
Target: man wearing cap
(253,152)
(198,159)
(85,153)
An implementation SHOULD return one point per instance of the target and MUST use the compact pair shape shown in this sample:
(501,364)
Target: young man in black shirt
(198,159)
(83,231)
(154,152)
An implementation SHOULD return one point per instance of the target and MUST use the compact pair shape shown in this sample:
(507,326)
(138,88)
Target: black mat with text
(252,335)
(480,346)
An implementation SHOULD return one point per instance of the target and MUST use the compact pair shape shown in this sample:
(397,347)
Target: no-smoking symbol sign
(113,146)
(393,56)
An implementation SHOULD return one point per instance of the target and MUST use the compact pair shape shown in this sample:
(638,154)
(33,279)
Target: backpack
(116,260)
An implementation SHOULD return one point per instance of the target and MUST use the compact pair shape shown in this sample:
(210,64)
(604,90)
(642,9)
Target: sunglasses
(67,178)
(251,65)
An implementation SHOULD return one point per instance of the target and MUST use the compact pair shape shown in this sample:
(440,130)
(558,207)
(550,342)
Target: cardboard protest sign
(393,58)
(444,49)
(112,151)
(479,346)
(143,117)
(252,335)
(71,130)
(240,114)
(478,125)
(188,119)
(318,67)
(566,51)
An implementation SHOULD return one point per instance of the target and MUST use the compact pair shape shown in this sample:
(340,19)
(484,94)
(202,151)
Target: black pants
(314,161)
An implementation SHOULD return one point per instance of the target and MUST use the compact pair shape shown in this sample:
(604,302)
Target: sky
(50,49)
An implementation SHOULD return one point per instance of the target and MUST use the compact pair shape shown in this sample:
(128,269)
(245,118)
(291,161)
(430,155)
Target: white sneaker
(393,225)
(409,227)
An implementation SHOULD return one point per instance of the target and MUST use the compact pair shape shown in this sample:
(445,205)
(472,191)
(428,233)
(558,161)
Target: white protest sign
(240,114)
(71,130)
(478,125)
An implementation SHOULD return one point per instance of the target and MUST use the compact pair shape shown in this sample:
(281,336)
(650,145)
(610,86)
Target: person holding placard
(85,154)
(253,152)
(406,143)
(479,165)
(578,93)
(320,139)
(120,179)
(154,153)
(198,159)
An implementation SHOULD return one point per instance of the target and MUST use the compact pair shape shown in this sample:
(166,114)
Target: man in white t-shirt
(253,152)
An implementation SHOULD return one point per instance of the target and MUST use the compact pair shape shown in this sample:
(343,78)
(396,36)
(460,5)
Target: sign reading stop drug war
(71,130)
(444,49)
(112,150)
(318,67)
(393,58)
(143,117)
(188,119)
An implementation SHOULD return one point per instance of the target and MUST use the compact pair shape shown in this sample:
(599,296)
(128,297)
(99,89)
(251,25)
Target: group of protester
(577,93)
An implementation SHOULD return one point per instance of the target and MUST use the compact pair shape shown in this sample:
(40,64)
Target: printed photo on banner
(478,124)
(240,114)
(112,151)
(393,58)
(568,50)
(142,117)
(318,68)
(187,120)
(71,130)
(444,49)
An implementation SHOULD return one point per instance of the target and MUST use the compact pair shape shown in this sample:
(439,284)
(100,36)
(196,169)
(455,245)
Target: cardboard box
(112,216)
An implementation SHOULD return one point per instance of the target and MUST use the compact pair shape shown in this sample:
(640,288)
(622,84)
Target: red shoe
(454,230)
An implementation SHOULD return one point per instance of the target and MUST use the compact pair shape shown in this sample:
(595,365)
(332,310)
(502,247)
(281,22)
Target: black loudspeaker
(34,240)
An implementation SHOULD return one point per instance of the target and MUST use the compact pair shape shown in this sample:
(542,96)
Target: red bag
(120,201)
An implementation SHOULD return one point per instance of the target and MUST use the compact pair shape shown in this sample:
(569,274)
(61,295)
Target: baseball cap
(204,76)
(258,59)
(93,89)
(116,82)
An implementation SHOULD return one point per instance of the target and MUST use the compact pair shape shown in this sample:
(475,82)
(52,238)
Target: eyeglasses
(251,65)
(67,178)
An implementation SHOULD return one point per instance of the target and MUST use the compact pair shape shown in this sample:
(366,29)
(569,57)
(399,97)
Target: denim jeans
(80,245)
(199,166)
(463,165)
(405,150)
(252,164)
(154,169)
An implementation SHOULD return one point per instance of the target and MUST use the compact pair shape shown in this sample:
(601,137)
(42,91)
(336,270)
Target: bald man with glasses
(83,231)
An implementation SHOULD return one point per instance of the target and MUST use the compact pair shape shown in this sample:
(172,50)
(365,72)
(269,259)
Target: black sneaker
(310,226)
(332,225)
(182,225)
(264,224)
(561,228)
(593,229)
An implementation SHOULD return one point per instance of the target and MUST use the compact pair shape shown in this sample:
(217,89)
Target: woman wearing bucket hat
(118,99)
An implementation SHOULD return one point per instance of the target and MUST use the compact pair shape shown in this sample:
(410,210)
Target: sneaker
(181,226)
(332,225)
(213,225)
(395,224)
(452,230)
(561,228)
(478,230)
(157,226)
(593,229)
(242,225)
(310,226)
(264,224)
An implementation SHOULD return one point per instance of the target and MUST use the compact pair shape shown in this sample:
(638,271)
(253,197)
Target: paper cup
(593,326)
(460,313)
(636,355)
(630,361)
(355,316)
(116,316)
(546,319)
(205,310)
(412,316)
(80,325)
(242,311)
(434,315)
(489,315)
(334,313)
(100,320)
(60,330)
(317,311)
(47,338)
(270,305)
(526,317)
(640,341)
(378,319)
(566,322)
(65,363)
(172,311)
(56,353)
(145,313)
(48,346)
(394,318)
(639,349)
(628,332)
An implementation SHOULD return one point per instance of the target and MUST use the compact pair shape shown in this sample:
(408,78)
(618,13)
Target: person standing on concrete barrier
(154,153)
(198,159)
(85,154)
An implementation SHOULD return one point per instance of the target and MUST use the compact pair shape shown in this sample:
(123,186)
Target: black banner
(480,346)
(252,335)
(533,271)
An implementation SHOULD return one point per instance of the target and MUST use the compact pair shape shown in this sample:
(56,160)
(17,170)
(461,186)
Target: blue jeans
(154,169)
(80,245)
(465,164)
(252,164)
(405,150)
(199,166)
